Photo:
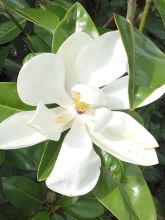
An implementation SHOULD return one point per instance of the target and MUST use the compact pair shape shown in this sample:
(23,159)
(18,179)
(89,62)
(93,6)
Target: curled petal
(16,133)
(68,53)
(77,168)
(102,61)
(102,117)
(42,79)
(89,94)
(117,94)
(50,122)
(118,98)
(127,140)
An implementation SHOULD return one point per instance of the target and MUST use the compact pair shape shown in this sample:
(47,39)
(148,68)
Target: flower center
(80,107)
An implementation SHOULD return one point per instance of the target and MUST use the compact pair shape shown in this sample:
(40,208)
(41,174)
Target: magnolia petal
(118,98)
(89,94)
(77,168)
(154,96)
(127,140)
(102,117)
(16,133)
(42,79)
(68,53)
(102,61)
(50,122)
(117,93)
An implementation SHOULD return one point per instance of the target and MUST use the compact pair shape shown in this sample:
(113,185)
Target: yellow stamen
(80,107)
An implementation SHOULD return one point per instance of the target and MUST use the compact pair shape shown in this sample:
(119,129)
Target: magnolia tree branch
(131,9)
(145,14)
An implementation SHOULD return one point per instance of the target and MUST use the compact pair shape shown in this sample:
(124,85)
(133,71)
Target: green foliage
(22,192)
(9,30)
(146,63)
(128,195)
(160,4)
(48,159)
(76,19)
(122,191)
(10,102)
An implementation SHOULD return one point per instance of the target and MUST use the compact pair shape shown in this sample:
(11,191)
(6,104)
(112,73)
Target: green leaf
(10,102)
(42,18)
(12,65)
(86,207)
(56,217)
(2,157)
(23,193)
(41,216)
(27,158)
(61,3)
(48,159)
(131,195)
(146,63)
(45,35)
(160,4)
(114,198)
(75,20)
(66,201)
(9,31)
(3,54)
(155,26)
(36,43)
(138,193)
(57,10)
(29,56)
(114,165)
(17,3)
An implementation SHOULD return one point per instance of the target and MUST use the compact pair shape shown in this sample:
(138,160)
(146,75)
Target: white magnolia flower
(83,79)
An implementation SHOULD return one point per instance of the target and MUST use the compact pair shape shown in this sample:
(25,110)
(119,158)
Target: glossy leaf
(10,102)
(160,4)
(114,198)
(48,159)
(131,195)
(114,165)
(9,31)
(44,19)
(67,201)
(41,216)
(27,158)
(37,44)
(138,193)
(23,193)
(86,207)
(75,20)
(57,10)
(45,35)
(146,63)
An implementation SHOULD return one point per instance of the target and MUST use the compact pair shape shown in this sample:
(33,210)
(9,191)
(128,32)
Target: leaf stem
(131,9)
(144,15)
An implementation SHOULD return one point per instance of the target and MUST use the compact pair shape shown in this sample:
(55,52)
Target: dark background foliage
(153,115)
